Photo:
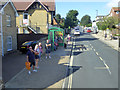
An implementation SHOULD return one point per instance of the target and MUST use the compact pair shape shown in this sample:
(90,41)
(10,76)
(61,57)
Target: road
(93,64)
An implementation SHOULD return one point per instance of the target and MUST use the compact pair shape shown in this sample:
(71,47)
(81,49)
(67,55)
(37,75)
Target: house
(100,18)
(35,16)
(115,12)
(8,30)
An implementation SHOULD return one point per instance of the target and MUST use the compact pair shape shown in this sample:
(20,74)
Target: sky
(84,7)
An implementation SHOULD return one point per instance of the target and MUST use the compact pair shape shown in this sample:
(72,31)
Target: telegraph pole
(96,12)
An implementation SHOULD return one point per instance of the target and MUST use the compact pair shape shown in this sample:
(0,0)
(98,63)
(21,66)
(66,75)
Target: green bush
(101,26)
(89,25)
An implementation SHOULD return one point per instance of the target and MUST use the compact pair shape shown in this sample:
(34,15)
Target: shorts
(36,56)
(32,63)
(47,51)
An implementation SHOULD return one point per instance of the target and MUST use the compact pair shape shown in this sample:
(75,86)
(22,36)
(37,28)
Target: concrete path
(51,73)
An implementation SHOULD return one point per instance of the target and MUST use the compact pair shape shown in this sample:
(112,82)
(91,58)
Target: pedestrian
(65,42)
(105,34)
(37,51)
(48,48)
(41,50)
(69,37)
(31,59)
(55,43)
(111,36)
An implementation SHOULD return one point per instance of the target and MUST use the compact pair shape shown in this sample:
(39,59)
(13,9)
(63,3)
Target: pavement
(51,72)
(114,43)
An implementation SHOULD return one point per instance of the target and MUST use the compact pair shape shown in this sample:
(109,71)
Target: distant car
(76,32)
(88,30)
(25,46)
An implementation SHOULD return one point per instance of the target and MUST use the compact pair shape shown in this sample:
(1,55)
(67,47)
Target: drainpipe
(2,35)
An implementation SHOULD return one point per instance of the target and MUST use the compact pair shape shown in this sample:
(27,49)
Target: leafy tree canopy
(85,20)
(71,18)
(58,18)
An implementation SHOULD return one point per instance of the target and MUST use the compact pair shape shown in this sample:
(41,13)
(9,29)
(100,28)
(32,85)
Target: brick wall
(9,30)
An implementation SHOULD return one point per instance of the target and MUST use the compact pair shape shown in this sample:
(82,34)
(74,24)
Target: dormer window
(25,16)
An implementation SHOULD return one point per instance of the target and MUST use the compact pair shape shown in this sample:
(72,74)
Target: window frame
(9,43)
(24,15)
(117,12)
(8,20)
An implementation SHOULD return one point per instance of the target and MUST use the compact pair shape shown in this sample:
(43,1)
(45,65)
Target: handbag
(27,64)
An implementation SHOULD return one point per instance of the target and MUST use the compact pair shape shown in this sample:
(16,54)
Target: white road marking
(97,53)
(101,59)
(71,70)
(100,68)
(94,49)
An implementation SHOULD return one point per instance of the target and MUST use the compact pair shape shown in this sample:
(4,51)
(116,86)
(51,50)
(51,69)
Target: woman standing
(37,50)
(40,50)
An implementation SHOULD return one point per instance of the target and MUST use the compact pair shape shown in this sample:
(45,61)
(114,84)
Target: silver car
(76,32)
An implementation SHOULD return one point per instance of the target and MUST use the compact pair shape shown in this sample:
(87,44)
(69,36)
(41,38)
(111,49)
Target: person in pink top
(41,50)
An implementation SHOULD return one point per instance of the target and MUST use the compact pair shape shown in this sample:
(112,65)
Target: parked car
(25,46)
(76,32)
(88,30)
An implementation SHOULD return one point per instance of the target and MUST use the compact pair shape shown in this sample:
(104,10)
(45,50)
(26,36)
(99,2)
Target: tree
(86,20)
(71,19)
(108,22)
(58,18)
(62,22)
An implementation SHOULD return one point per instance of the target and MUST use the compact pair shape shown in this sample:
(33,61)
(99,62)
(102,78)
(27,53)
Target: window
(38,29)
(8,20)
(9,43)
(25,16)
(117,12)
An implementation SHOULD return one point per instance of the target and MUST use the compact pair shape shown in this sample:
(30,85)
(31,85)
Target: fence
(115,31)
(21,38)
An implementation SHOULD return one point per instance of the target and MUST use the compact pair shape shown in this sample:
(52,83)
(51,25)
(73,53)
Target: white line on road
(71,70)
(106,66)
(94,49)
(101,59)
(97,53)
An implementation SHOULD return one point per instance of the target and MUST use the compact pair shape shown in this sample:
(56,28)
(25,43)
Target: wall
(19,21)
(9,31)
(39,18)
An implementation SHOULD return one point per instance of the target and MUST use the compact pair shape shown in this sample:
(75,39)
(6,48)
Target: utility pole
(96,12)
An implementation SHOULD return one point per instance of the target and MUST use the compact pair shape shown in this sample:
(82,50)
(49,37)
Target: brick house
(115,12)
(35,16)
(100,18)
(8,30)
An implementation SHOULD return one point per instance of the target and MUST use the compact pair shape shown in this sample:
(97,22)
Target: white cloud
(113,3)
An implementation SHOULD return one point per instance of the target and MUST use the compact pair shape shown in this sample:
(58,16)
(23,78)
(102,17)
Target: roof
(116,8)
(5,3)
(2,4)
(54,22)
(23,5)
(101,16)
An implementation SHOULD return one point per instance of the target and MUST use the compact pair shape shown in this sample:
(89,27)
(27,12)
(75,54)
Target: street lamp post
(96,12)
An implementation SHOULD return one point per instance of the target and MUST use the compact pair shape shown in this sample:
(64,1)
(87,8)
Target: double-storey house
(8,30)
(35,16)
